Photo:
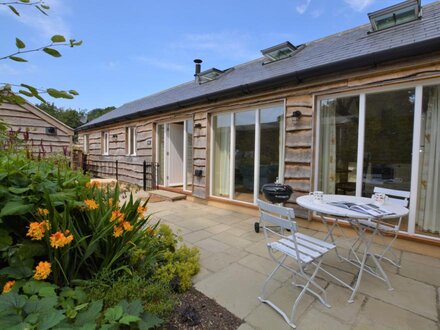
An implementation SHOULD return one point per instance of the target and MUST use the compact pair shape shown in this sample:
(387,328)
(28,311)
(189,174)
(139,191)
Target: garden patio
(235,263)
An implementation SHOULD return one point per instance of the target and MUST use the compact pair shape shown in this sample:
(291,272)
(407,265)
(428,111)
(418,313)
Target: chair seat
(374,225)
(309,248)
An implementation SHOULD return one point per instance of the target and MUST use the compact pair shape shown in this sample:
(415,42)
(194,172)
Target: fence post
(145,175)
(117,170)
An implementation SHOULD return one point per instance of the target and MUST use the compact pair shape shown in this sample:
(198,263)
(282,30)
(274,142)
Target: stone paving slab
(235,263)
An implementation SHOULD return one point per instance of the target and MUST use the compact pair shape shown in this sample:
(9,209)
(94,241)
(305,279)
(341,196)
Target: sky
(132,49)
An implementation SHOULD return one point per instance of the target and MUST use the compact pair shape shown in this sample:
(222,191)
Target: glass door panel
(244,156)
(221,155)
(428,206)
(389,122)
(161,153)
(271,146)
(189,153)
(338,132)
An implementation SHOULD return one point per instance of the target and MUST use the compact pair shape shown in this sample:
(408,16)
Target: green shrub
(156,297)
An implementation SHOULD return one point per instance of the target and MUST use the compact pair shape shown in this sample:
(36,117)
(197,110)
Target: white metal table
(324,209)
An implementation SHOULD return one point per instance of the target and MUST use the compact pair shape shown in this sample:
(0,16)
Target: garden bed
(196,311)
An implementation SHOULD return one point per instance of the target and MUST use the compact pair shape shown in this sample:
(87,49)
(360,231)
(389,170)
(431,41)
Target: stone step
(165,195)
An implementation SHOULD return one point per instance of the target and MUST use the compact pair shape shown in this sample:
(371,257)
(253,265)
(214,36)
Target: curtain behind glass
(222,155)
(327,182)
(189,153)
(160,152)
(429,186)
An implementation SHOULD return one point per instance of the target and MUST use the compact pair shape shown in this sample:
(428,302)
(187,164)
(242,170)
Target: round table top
(323,207)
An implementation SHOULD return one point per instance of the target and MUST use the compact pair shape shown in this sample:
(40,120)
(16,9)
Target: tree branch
(34,50)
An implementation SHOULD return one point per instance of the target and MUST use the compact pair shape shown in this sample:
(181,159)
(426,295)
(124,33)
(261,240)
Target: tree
(12,92)
(98,112)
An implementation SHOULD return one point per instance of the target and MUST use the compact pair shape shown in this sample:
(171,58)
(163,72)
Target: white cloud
(317,13)
(17,69)
(302,8)
(161,64)
(359,5)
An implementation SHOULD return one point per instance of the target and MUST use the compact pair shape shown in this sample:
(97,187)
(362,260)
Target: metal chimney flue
(198,63)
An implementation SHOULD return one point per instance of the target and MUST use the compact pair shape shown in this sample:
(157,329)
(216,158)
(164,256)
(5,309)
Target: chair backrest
(277,215)
(403,196)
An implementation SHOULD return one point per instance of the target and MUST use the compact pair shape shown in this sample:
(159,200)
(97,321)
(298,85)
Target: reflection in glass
(189,154)
(428,210)
(222,154)
(271,144)
(160,152)
(389,121)
(244,156)
(338,133)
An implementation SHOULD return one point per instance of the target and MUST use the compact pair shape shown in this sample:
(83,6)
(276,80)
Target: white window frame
(415,162)
(86,144)
(257,151)
(105,143)
(131,130)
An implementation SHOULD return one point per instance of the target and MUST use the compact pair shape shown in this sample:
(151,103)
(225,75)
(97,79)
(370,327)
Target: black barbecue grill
(276,193)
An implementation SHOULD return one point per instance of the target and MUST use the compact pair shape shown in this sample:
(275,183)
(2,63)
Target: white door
(175,154)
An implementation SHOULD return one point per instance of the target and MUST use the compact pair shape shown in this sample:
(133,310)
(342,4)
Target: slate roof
(342,47)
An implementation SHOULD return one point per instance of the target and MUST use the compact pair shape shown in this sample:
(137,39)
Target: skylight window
(395,15)
(279,52)
(209,75)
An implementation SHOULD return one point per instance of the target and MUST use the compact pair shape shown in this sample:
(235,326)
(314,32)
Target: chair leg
(263,289)
(394,259)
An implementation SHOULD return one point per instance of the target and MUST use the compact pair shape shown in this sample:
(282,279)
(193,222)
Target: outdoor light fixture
(296,115)
(198,125)
(115,137)
(198,173)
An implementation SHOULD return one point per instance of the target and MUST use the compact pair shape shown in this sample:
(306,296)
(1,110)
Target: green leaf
(16,272)
(31,89)
(25,1)
(49,320)
(14,10)
(47,292)
(12,302)
(41,10)
(11,321)
(132,308)
(26,93)
(113,314)
(5,240)
(18,191)
(58,38)
(127,319)
(15,208)
(73,92)
(52,52)
(59,94)
(17,59)
(45,7)
(149,321)
(36,305)
(19,43)
(90,315)
(74,43)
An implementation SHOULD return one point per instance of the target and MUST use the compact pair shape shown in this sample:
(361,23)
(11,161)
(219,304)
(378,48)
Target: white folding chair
(288,244)
(398,197)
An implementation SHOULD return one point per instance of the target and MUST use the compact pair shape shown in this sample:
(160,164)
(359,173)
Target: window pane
(189,154)
(222,154)
(338,133)
(271,144)
(427,219)
(244,156)
(388,141)
(161,153)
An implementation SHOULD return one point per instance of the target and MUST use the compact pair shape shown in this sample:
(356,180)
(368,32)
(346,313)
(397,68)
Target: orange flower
(117,231)
(91,204)
(141,210)
(127,226)
(42,271)
(92,184)
(8,286)
(110,201)
(150,230)
(42,212)
(117,215)
(37,229)
(59,240)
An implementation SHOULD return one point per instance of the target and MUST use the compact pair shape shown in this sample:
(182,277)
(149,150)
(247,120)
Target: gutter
(369,60)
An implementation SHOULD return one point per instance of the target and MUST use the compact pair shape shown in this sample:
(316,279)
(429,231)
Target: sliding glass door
(247,150)
(387,139)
